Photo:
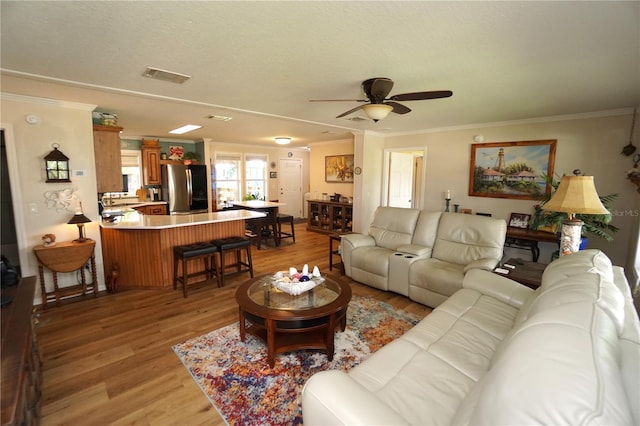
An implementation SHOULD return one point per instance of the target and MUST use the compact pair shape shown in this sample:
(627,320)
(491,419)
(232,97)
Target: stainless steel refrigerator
(184,188)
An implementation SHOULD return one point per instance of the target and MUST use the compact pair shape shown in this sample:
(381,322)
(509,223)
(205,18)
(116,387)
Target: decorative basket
(295,288)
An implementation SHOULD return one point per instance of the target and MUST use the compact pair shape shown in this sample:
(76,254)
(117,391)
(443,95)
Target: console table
(67,256)
(528,239)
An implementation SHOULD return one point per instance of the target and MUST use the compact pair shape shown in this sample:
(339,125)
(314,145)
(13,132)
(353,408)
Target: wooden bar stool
(189,252)
(237,244)
(285,218)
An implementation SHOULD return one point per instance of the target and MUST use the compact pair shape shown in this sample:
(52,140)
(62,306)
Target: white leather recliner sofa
(422,254)
(497,352)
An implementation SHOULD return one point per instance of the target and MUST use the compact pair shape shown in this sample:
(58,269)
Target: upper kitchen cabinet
(151,162)
(106,146)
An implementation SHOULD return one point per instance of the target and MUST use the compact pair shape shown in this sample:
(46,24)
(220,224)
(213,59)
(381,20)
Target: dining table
(270,208)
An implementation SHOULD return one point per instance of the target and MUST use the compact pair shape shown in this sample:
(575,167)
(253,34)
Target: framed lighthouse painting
(515,170)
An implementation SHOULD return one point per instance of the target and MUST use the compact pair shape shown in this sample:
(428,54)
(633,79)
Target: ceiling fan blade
(350,111)
(419,96)
(338,100)
(377,89)
(398,108)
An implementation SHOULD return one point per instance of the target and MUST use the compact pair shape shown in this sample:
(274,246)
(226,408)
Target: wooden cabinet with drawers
(106,147)
(21,378)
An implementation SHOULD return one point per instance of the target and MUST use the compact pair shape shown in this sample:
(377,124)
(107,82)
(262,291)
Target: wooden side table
(528,239)
(335,251)
(524,272)
(67,257)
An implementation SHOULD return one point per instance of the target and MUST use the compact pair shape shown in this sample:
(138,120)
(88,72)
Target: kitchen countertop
(134,220)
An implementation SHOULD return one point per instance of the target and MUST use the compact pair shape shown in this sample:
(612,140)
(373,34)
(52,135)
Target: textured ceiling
(261,62)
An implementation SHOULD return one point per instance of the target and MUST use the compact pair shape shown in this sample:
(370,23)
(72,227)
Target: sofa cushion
(567,266)
(583,276)
(464,238)
(393,226)
(426,228)
(559,367)
(439,360)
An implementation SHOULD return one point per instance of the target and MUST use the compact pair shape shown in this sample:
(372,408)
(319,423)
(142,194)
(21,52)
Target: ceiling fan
(379,106)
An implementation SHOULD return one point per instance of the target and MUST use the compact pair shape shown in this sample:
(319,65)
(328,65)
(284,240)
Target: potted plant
(190,157)
(594,224)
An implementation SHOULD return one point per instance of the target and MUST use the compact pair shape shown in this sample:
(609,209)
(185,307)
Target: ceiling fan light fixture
(283,141)
(377,111)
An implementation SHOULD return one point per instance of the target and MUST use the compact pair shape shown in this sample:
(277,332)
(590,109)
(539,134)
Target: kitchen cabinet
(157,209)
(330,217)
(106,148)
(151,162)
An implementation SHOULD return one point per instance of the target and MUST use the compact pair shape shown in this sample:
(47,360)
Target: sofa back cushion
(426,228)
(585,275)
(463,238)
(560,367)
(568,355)
(393,226)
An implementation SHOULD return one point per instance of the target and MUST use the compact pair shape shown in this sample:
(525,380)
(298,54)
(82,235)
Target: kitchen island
(140,247)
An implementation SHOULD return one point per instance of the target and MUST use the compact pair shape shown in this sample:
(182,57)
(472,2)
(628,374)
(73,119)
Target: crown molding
(549,119)
(45,101)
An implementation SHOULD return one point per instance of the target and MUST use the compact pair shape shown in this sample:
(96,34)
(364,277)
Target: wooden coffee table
(285,322)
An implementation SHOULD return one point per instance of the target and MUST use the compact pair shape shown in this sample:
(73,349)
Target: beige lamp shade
(576,194)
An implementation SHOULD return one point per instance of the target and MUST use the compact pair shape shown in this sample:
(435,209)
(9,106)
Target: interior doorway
(403,180)
(13,229)
(290,186)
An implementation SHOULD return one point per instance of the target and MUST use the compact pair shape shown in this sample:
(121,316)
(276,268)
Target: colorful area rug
(238,381)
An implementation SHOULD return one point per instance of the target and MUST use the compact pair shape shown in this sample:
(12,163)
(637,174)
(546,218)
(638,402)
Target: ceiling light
(185,129)
(377,111)
(165,75)
(283,141)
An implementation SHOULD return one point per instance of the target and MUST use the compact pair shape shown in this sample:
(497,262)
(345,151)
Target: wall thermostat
(289,154)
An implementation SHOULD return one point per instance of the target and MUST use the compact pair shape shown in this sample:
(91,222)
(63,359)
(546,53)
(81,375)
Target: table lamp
(575,194)
(79,219)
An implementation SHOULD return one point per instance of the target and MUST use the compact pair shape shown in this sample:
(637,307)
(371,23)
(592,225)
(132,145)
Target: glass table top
(264,293)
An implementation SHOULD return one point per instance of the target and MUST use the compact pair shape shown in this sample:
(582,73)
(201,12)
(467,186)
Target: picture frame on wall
(338,168)
(514,170)
(519,220)
(273,175)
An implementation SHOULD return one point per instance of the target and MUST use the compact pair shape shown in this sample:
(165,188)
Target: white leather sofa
(497,352)
(422,254)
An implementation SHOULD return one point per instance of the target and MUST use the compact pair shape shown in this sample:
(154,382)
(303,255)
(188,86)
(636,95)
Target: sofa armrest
(358,240)
(498,287)
(416,250)
(333,398)
(486,264)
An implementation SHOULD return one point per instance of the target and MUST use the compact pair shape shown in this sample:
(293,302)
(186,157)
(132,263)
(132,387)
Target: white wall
(590,143)
(70,126)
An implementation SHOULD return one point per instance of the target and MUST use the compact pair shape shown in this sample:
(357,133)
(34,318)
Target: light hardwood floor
(108,360)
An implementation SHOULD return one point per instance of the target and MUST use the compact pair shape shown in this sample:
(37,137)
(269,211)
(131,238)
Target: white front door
(290,184)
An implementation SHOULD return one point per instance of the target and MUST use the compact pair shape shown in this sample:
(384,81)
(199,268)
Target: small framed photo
(273,175)
(519,220)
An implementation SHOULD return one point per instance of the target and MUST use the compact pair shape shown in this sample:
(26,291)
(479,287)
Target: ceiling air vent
(165,75)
